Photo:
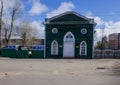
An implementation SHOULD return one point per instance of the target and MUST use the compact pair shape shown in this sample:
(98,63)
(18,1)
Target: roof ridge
(69,12)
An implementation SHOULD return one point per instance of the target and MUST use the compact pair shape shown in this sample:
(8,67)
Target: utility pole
(102,30)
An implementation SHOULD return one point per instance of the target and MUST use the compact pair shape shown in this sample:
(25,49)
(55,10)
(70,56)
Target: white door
(69,45)
(68,49)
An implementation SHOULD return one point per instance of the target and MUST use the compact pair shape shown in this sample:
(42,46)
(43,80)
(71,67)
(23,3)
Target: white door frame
(72,41)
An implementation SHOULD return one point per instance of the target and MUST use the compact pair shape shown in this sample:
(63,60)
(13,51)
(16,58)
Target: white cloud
(108,27)
(37,8)
(88,14)
(65,6)
(8,7)
(39,28)
(112,27)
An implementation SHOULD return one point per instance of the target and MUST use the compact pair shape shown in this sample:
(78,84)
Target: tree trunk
(11,27)
(6,37)
(1,13)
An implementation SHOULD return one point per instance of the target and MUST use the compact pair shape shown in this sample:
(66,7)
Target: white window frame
(54,30)
(54,41)
(67,35)
(84,31)
(85,48)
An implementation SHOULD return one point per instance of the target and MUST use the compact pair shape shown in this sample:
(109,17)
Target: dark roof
(70,12)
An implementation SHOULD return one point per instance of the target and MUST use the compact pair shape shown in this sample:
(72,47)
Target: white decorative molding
(54,30)
(83,48)
(84,31)
(54,43)
(69,45)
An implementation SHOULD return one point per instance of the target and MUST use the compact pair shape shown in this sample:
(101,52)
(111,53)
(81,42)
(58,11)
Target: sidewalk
(4,57)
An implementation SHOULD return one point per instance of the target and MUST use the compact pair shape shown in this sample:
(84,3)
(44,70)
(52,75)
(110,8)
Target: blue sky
(106,9)
(104,12)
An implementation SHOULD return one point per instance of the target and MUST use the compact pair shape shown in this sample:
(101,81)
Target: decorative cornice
(71,22)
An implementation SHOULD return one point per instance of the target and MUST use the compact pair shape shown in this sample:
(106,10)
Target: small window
(83,48)
(83,30)
(54,30)
(54,48)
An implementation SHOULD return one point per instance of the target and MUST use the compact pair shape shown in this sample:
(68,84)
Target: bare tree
(14,10)
(28,34)
(1,14)
(102,44)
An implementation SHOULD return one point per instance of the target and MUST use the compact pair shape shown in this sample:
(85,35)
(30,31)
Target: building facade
(69,35)
(114,41)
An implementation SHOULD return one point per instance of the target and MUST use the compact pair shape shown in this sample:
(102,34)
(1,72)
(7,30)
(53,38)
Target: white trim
(54,30)
(71,34)
(54,41)
(91,21)
(69,12)
(81,48)
(65,41)
(84,31)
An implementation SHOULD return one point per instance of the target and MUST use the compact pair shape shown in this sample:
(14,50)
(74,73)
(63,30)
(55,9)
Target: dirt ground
(58,72)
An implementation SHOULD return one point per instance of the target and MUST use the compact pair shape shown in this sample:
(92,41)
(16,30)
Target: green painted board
(22,54)
(8,53)
(38,54)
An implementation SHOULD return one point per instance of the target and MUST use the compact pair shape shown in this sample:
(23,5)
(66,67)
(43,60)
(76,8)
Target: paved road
(57,72)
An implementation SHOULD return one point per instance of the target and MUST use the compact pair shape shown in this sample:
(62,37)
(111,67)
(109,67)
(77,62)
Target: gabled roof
(69,12)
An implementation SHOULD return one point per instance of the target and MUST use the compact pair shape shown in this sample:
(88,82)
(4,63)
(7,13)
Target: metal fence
(107,53)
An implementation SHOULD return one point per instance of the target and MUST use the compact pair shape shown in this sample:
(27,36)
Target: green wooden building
(69,35)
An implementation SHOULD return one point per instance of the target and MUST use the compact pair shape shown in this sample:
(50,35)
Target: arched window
(54,48)
(83,48)
(69,37)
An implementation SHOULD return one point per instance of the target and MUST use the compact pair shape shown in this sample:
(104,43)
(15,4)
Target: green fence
(12,53)
(8,53)
(22,54)
(38,54)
